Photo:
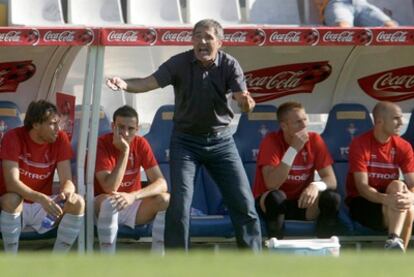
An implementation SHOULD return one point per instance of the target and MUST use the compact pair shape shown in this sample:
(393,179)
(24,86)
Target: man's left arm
(328,177)
(245,101)
(156,186)
(409,181)
(311,192)
(157,183)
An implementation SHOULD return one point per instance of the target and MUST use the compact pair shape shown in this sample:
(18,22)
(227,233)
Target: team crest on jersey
(393,152)
(131,159)
(305,156)
(46,156)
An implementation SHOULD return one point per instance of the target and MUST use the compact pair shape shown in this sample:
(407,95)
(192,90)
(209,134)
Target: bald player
(377,197)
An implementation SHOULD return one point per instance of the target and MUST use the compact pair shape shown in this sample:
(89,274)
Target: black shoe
(327,227)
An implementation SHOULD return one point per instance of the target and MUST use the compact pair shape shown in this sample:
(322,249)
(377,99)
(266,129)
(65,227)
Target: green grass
(208,263)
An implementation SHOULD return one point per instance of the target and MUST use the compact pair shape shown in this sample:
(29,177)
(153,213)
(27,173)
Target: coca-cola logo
(389,36)
(270,83)
(13,73)
(235,37)
(171,36)
(289,37)
(365,37)
(11,36)
(393,85)
(126,36)
(32,37)
(312,37)
(63,36)
(86,37)
(343,36)
(258,37)
(150,36)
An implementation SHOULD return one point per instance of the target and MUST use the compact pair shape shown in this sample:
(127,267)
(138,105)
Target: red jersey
(381,161)
(37,162)
(140,155)
(313,156)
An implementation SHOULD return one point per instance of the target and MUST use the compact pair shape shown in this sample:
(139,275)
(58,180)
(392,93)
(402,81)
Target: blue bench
(9,117)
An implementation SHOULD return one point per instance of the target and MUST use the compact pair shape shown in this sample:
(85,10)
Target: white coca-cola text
(128,36)
(238,36)
(391,81)
(12,36)
(345,36)
(183,36)
(65,36)
(281,80)
(398,36)
(292,36)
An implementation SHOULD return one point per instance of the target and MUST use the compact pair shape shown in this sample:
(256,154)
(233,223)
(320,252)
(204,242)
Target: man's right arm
(366,191)
(275,176)
(110,181)
(135,85)
(14,184)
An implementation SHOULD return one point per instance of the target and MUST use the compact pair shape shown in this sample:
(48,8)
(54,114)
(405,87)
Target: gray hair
(210,23)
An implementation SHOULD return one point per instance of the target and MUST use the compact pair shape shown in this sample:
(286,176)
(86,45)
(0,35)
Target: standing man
(205,80)
(284,185)
(30,155)
(120,197)
(375,195)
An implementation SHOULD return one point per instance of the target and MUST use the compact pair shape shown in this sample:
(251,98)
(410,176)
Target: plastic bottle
(50,219)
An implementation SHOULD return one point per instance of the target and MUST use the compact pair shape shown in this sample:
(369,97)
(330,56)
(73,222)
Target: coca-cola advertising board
(274,82)
(129,36)
(373,74)
(293,37)
(339,36)
(174,36)
(47,36)
(392,36)
(392,85)
(13,73)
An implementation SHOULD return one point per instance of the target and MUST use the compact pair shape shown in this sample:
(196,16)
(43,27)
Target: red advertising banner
(393,85)
(392,36)
(339,36)
(66,106)
(13,73)
(48,36)
(129,36)
(273,82)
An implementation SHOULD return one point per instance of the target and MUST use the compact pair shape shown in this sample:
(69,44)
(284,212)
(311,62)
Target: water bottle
(50,219)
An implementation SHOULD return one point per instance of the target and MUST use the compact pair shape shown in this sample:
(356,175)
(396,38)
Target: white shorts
(32,217)
(128,215)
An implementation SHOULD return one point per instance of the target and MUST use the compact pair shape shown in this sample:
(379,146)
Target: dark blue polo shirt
(202,95)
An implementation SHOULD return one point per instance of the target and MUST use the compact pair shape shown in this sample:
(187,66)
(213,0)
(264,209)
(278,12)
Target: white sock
(11,227)
(68,231)
(107,227)
(158,226)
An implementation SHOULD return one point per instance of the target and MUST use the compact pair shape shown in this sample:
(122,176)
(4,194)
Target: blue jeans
(218,153)
(355,13)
